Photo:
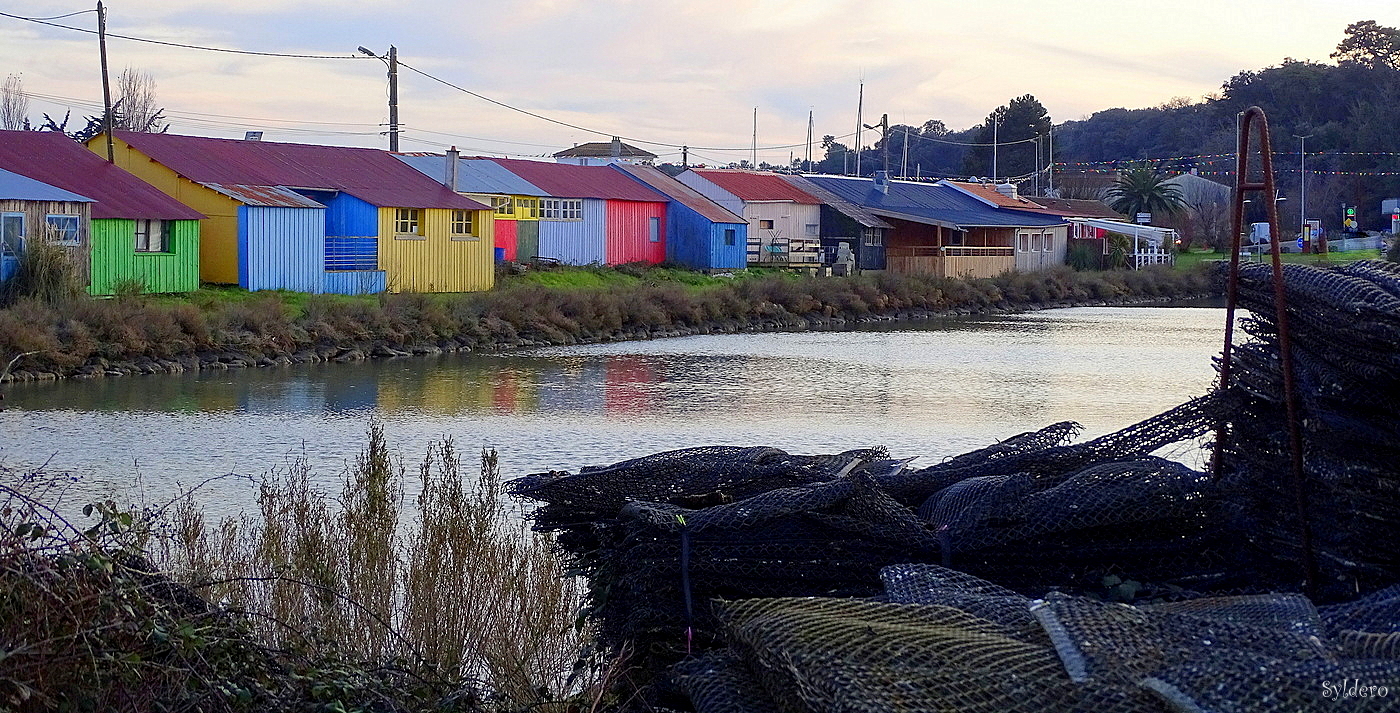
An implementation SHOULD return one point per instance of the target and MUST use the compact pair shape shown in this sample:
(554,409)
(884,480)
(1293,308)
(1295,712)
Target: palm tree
(1143,190)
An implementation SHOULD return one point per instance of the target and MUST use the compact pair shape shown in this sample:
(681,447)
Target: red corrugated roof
(57,160)
(757,186)
(679,192)
(563,180)
(989,192)
(371,175)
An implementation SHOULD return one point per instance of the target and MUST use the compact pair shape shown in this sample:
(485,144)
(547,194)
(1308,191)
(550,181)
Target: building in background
(847,229)
(602,153)
(515,203)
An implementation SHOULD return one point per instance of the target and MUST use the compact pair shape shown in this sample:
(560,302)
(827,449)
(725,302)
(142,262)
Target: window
(730,236)
(505,205)
(872,237)
(153,236)
(654,229)
(407,221)
(1049,244)
(527,207)
(1035,242)
(562,209)
(462,224)
(765,225)
(812,228)
(64,229)
(1025,242)
(956,237)
(11,233)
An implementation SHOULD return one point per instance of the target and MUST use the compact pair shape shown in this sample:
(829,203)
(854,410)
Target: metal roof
(847,208)
(1077,208)
(565,180)
(371,175)
(264,196)
(989,194)
(55,159)
(474,175)
(929,203)
(14,187)
(756,185)
(679,192)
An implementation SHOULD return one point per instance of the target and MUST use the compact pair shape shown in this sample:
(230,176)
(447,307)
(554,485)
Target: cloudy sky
(662,71)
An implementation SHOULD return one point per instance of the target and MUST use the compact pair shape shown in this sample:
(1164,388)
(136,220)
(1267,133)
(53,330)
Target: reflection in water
(934,391)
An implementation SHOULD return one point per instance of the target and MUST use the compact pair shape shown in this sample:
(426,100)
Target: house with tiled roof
(594,214)
(784,221)
(1035,249)
(131,235)
(940,230)
(701,233)
(602,153)
(314,218)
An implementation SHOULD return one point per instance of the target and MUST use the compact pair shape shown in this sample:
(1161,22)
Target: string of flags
(1061,168)
(1216,157)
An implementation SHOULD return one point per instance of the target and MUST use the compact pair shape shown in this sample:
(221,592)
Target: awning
(1152,234)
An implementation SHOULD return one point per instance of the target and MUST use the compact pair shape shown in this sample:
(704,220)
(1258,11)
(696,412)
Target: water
(933,391)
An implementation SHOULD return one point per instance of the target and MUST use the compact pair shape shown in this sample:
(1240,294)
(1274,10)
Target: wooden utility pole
(106,85)
(393,98)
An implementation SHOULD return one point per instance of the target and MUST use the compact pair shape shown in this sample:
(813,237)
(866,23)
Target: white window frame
(1048,242)
(561,209)
(77,233)
(872,237)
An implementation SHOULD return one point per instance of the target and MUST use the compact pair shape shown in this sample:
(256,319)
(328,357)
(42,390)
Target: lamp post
(1302,186)
(392,61)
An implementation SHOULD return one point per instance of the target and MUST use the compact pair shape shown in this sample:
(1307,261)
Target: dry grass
(365,601)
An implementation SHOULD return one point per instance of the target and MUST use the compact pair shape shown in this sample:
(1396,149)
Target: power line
(44,21)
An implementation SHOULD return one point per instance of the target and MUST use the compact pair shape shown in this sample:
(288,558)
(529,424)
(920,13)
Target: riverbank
(229,329)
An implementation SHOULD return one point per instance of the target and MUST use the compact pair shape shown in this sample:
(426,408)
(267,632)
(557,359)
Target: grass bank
(230,329)
(358,601)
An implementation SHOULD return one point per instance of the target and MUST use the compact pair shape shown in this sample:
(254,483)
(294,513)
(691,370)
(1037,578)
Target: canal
(932,391)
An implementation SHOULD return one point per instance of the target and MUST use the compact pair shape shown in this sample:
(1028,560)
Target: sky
(661,73)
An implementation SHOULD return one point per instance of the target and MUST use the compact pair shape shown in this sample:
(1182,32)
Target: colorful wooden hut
(702,234)
(784,221)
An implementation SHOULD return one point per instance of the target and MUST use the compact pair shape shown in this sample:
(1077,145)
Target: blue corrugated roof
(928,203)
(475,175)
(15,187)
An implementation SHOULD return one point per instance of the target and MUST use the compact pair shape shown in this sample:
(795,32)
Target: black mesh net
(754,579)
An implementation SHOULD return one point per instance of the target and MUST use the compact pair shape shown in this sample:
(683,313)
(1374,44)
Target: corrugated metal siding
(349,216)
(629,232)
(695,241)
(114,258)
(363,282)
(281,248)
(218,233)
(577,242)
(436,262)
(506,237)
(527,239)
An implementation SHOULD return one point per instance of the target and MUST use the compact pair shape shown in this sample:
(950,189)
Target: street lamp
(392,61)
(1302,185)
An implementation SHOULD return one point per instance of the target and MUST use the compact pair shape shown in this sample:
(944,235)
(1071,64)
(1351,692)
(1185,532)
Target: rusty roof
(679,192)
(55,159)
(264,196)
(988,192)
(756,186)
(371,175)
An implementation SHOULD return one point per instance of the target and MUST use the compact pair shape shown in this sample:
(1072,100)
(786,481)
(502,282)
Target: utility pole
(393,98)
(1051,165)
(996,124)
(808,167)
(392,61)
(754,165)
(106,85)
(904,162)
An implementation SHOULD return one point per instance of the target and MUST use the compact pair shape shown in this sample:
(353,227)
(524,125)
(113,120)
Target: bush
(45,273)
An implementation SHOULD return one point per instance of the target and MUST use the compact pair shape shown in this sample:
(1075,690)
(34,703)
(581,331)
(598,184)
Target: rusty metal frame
(1249,118)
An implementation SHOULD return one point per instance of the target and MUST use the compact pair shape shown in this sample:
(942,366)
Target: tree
(1017,121)
(137,92)
(14,105)
(1369,44)
(1141,189)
